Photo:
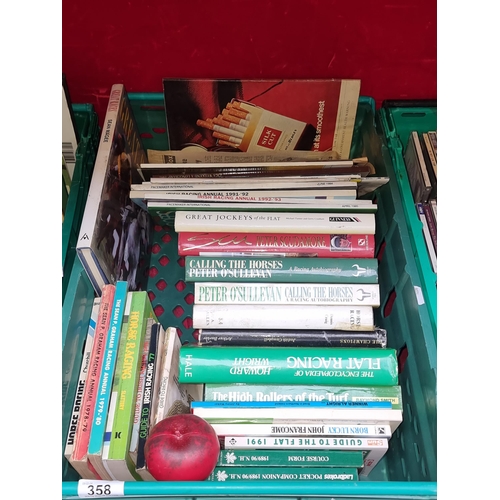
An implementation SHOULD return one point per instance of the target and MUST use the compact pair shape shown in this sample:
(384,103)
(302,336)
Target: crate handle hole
(402,357)
(415,114)
(389,303)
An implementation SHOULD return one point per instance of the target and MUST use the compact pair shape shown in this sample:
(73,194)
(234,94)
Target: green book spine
(257,393)
(290,458)
(225,474)
(129,371)
(281,269)
(288,365)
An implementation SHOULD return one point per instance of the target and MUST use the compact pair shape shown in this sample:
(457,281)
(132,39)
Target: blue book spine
(108,369)
(292,404)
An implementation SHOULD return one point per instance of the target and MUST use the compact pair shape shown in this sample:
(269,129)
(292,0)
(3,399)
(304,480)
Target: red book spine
(267,244)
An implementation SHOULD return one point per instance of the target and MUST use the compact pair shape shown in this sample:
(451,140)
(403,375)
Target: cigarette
(218,128)
(240,113)
(226,137)
(234,119)
(232,126)
(222,142)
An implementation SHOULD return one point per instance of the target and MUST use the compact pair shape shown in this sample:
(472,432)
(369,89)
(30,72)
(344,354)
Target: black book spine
(147,397)
(303,338)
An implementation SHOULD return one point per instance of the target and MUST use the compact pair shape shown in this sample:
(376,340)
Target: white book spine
(274,222)
(354,415)
(308,428)
(288,317)
(421,161)
(375,448)
(286,293)
(251,164)
(427,236)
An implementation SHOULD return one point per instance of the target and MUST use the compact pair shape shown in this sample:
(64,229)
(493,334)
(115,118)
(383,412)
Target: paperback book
(283,317)
(281,269)
(227,244)
(286,293)
(262,115)
(303,338)
(114,232)
(357,366)
(274,222)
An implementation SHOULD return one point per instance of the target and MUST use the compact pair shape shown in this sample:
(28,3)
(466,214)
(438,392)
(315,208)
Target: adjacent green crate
(398,121)
(87,124)
(409,468)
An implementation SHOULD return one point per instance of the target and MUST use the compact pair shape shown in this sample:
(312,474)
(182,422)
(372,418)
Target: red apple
(182,448)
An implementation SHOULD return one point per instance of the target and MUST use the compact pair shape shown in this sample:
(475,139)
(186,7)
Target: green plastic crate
(409,468)
(87,124)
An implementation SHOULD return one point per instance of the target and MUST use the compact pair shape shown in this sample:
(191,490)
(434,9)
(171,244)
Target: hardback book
(153,363)
(270,392)
(119,461)
(290,458)
(274,222)
(82,378)
(281,269)
(427,236)
(283,317)
(171,396)
(79,457)
(286,293)
(134,436)
(375,448)
(114,232)
(106,379)
(418,176)
(303,338)
(357,366)
(304,428)
(262,115)
(276,474)
(227,244)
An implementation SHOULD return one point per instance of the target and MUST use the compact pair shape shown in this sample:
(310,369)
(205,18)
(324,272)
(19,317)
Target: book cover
(150,384)
(376,448)
(79,457)
(274,222)
(276,474)
(281,269)
(106,379)
(119,460)
(227,244)
(303,338)
(305,428)
(114,231)
(290,458)
(82,378)
(172,396)
(286,293)
(357,366)
(134,436)
(269,392)
(283,317)
(262,115)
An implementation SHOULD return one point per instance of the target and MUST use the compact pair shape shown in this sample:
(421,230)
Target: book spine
(290,458)
(80,387)
(296,429)
(260,393)
(429,167)
(427,236)
(119,459)
(422,165)
(274,222)
(79,457)
(281,269)
(302,338)
(286,293)
(433,140)
(288,365)
(291,317)
(147,397)
(431,223)
(106,376)
(430,152)
(346,246)
(275,474)
(134,437)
